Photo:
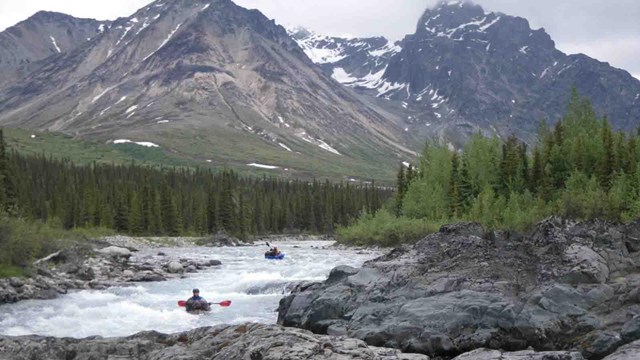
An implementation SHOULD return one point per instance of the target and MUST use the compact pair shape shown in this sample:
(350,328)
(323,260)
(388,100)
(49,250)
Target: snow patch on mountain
(285,147)
(102,94)
(53,40)
(342,77)
(262,166)
(141,143)
(320,143)
(164,42)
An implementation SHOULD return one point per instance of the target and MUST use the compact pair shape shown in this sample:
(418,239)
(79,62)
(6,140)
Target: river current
(253,284)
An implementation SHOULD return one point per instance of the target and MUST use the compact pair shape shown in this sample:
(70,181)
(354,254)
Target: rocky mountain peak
(209,68)
(466,70)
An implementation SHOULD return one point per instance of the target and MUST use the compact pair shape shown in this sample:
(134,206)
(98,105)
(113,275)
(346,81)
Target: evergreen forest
(580,169)
(150,201)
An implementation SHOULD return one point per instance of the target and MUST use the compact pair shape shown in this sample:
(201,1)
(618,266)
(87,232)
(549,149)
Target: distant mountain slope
(211,81)
(42,35)
(466,70)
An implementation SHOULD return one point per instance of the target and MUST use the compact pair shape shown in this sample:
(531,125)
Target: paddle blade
(268,244)
(225,303)
(182,303)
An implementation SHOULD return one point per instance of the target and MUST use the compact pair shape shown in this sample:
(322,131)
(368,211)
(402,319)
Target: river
(253,284)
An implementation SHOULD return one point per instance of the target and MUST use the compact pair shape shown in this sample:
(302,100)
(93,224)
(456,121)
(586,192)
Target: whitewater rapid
(253,284)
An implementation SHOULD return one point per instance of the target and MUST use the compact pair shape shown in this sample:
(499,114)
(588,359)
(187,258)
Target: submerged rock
(568,286)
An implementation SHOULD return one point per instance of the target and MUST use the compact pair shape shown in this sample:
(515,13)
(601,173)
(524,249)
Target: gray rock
(340,273)
(486,354)
(468,229)
(115,252)
(147,276)
(175,267)
(600,344)
(16,282)
(456,291)
(631,330)
(627,352)
(224,342)
(588,266)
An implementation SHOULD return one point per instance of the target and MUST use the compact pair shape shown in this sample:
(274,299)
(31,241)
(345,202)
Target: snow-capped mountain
(466,70)
(210,80)
(355,62)
(217,83)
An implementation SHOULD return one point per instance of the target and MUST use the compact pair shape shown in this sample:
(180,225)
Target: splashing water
(253,284)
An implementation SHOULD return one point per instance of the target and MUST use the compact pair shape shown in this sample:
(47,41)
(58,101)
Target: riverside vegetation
(579,169)
(44,200)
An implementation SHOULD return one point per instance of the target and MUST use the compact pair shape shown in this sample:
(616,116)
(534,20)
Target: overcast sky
(608,30)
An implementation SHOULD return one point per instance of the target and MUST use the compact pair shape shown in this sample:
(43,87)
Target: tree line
(579,168)
(142,200)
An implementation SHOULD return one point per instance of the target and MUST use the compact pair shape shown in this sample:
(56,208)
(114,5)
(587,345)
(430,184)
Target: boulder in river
(567,286)
(116,252)
(174,267)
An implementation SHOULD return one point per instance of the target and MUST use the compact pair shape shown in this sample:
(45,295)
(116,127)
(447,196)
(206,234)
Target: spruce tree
(401,185)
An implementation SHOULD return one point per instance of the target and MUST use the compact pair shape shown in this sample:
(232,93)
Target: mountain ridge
(204,67)
(488,72)
(214,82)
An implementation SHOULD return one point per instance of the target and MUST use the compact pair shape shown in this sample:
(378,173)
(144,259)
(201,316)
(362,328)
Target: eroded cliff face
(567,286)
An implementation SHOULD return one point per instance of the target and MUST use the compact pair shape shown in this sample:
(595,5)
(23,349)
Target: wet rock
(86,274)
(116,252)
(627,352)
(341,272)
(485,354)
(175,267)
(600,344)
(588,266)
(568,285)
(631,330)
(224,342)
(219,240)
(469,229)
(147,276)
(16,282)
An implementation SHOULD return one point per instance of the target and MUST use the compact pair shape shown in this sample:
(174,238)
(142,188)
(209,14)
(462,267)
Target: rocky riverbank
(225,342)
(101,264)
(567,287)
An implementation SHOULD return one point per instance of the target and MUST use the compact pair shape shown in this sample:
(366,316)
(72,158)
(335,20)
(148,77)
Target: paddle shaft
(183,303)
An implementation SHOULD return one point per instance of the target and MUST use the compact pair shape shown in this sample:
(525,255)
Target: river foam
(253,284)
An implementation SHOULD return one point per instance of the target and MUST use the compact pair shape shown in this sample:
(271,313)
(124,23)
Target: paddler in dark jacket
(196,302)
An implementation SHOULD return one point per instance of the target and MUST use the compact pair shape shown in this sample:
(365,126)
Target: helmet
(196,290)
